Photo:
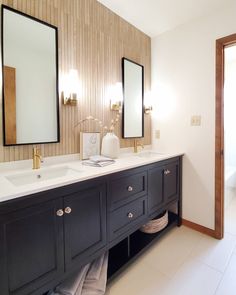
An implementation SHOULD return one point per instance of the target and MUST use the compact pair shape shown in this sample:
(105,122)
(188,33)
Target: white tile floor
(184,262)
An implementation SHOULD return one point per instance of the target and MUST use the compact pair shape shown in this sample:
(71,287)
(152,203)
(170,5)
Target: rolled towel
(72,284)
(97,286)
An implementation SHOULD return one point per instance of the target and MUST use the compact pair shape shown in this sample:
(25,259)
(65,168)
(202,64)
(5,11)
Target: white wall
(183,83)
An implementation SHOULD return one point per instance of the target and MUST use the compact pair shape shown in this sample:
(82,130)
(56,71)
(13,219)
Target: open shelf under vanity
(124,253)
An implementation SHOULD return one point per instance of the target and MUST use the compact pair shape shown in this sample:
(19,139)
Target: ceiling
(154,17)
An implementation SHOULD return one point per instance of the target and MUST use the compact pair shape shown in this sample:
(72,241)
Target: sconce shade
(69,93)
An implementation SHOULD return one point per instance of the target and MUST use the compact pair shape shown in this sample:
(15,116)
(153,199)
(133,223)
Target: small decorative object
(89,144)
(100,123)
(110,145)
(155,225)
(110,142)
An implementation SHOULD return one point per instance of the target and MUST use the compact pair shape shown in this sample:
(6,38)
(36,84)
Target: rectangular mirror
(133,91)
(30,79)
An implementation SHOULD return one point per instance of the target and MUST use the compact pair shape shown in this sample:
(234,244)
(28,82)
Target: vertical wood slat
(92,39)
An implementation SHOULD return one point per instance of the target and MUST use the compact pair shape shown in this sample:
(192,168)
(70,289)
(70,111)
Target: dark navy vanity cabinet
(163,185)
(31,247)
(47,236)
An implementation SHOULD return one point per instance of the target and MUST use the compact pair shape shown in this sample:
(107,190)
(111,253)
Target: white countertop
(126,160)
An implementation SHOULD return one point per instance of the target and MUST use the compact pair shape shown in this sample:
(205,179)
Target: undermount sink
(149,154)
(41,175)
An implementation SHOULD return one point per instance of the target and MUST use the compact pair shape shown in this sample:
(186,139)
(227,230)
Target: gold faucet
(37,159)
(137,143)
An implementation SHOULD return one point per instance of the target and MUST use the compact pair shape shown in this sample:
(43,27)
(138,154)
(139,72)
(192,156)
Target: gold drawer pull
(60,212)
(68,210)
(130,188)
(166,172)
(130,215)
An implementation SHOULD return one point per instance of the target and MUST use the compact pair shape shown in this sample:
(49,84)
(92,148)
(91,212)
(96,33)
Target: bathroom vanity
(56,219)
(47,234)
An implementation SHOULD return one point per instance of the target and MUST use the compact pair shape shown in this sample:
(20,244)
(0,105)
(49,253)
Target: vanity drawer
(126,217)
(127,188)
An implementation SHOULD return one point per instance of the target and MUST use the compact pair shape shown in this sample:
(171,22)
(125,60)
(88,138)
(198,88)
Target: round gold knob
(130,188)
(68,210)
(130,215)
(60,212)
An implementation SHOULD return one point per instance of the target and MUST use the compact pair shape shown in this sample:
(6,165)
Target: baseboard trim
(199,228)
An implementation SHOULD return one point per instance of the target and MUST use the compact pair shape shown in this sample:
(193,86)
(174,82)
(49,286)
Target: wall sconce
(147,110)
(69,100)
(69,93)
(148,103)
(116,106)
(116,97)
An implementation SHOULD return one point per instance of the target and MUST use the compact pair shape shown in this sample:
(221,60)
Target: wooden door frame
(219,134)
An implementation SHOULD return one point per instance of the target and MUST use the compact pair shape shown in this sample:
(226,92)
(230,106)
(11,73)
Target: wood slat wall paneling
(92,39)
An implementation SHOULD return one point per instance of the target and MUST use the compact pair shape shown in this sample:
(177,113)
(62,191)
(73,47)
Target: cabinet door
(171,181)
(31,248)
(155,189)
(85,225)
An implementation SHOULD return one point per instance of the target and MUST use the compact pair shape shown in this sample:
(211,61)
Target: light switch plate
(157,134)
(196,120)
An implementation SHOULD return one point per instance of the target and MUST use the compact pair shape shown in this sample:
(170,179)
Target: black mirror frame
(123,90)
(56,58)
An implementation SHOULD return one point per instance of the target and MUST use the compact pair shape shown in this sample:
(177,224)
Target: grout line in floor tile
(187,257)
(218,285)
(224,271)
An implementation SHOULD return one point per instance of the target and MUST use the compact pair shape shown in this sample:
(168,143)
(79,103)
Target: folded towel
(95,269)
(97,286)
(90,280)
(98,161)
(71,285)
(98,158)
(81,283)
(97,164)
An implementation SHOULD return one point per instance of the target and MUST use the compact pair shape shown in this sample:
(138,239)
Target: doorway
(221,45)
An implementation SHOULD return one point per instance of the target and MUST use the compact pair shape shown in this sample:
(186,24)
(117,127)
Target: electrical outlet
(196,120)
(157,134)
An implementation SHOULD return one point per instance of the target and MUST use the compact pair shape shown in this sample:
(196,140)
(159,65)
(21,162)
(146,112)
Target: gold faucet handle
(36,151)
(37,159)
(38,154)
(141,144)
(137,143)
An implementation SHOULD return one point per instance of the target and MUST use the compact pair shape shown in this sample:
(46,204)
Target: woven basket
(155,225)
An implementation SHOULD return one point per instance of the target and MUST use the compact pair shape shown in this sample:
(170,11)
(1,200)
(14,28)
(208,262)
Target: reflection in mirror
(132,76)
(30,79)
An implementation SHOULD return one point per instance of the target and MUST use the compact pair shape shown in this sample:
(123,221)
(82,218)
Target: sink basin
(41,175)
(149,154)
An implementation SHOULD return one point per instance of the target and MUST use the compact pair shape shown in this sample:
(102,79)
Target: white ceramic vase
(110,145)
